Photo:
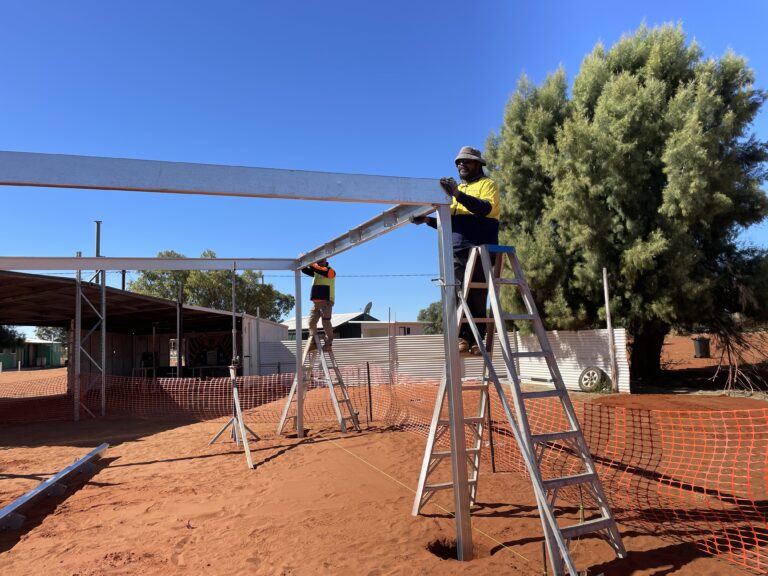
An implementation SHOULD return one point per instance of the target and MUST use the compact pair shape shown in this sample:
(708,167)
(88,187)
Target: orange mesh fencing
(696,477)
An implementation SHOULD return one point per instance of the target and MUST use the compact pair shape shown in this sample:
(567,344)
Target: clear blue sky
(391,88)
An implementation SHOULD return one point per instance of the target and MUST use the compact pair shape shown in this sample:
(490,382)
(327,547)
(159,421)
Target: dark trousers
(477,298)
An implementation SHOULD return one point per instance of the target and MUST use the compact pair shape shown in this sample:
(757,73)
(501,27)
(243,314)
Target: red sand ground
(165,502)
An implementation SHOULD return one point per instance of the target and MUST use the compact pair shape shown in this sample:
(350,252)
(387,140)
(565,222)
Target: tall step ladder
(342,404)
(562,452)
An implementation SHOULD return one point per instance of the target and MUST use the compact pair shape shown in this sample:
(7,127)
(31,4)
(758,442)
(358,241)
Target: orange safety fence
(698,477)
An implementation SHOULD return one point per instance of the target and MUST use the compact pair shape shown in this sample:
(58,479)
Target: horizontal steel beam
(91,172)
(392,219)
(106,263)
(11,516)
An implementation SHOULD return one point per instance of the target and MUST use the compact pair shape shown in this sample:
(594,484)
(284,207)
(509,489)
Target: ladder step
(499,248)
(519,317)
(444,485)
(537,379)
(478,320)
(508,281)
(475,387)
(582,478)
(537,354)
(542,394)
(470,420)
(588,527)
(447,453)
(552,436)
(478,285)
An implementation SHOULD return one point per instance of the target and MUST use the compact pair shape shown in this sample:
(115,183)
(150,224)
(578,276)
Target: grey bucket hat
(469,153)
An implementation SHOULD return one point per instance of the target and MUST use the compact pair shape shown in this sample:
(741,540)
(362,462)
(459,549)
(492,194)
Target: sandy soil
(164,502)
(678,352)
(9,376)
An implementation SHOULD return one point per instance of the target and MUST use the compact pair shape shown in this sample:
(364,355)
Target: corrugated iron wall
(423,356)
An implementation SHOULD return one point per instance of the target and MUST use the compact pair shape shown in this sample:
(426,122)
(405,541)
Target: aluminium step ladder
(342,403)
(539,449)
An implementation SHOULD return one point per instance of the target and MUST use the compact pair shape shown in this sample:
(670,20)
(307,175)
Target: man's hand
(418,219)
(449,186)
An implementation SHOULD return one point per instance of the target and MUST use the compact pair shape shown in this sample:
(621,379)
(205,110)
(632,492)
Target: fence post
(370,397)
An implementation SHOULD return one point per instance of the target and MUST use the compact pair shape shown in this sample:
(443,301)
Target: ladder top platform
(493,248)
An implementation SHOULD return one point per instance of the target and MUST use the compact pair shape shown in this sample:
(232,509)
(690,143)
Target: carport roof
(36,300)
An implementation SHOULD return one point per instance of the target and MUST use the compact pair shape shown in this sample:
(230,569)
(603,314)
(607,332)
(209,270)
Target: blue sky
(391,88)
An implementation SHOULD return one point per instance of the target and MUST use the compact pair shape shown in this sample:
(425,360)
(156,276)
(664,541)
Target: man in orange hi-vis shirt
(322,296)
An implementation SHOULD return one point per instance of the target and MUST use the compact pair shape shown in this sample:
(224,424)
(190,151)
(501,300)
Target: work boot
(463,345)
(475,350)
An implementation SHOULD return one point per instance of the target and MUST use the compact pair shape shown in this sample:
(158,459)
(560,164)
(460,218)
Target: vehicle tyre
(592,379)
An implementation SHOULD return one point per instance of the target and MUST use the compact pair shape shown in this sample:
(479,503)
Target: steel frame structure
(412,197)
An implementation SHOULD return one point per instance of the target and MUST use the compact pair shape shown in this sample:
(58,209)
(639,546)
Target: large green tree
(433,314)
(53,334)
(213,289)
(10,337)
(649,168)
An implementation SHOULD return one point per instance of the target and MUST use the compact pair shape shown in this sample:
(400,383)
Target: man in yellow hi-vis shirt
(322,295)
(475,210)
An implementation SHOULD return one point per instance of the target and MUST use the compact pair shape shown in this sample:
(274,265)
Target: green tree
(649,169)
(53,334)
(434,315)
(213,289)
(10,337)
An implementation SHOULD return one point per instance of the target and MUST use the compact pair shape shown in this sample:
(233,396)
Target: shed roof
(37,300)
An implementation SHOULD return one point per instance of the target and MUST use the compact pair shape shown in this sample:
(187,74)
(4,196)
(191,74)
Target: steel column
(453,386)
(299,363)
(76,344)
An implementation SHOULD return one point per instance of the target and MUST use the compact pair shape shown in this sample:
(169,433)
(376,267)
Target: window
(404,330)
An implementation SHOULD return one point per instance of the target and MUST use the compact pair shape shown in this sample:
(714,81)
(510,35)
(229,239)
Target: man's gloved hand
(418,219)
(449,186)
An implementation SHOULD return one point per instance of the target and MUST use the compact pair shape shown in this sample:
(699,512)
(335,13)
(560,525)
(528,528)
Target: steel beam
(385,222)
(106,263)
(92,172)
(11,516)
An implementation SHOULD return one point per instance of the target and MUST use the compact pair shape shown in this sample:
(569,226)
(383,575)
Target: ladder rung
(537,379)
(475,387)
(508,281)
(470,420)
(588,527)
(542,393)
(447,453)
(479,320)
(443,485)
(537,354)
(519,317)
(478,285)
(552,436)
(582,478)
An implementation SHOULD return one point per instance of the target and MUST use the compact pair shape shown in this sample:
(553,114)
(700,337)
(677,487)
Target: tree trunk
(645,358)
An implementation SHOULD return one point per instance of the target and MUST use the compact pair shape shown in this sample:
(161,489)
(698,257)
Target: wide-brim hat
(469,153)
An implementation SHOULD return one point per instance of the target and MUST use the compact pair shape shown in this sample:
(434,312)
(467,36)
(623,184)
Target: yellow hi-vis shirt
(484,189)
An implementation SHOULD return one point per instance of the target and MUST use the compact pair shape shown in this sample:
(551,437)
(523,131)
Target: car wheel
(592,379)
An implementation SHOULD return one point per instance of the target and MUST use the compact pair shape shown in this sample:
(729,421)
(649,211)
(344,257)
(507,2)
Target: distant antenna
(367,309)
